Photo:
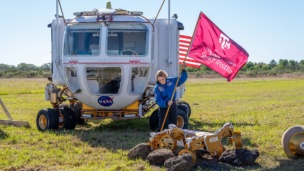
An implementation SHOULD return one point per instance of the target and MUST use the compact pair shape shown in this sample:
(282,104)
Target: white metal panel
(57,45)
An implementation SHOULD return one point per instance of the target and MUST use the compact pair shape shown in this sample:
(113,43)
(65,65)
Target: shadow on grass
(198,124)
(112,135)
(126,134)
(296,164)
(209,164)
(3,135)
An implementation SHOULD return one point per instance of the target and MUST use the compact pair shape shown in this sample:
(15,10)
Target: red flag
(184,43)
(213,48)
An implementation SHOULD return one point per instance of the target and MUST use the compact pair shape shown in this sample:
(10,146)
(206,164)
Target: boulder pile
(172,162)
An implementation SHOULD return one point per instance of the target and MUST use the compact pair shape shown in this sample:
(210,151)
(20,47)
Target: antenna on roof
(109,6)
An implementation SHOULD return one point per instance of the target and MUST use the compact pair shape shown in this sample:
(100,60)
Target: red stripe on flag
(185,37)
(184,41)
(181,45)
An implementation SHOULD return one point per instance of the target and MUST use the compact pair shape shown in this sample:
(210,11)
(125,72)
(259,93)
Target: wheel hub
(42,122)
(296,144)
(180,122)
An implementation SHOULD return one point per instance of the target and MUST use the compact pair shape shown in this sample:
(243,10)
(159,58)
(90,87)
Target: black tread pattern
(69,118)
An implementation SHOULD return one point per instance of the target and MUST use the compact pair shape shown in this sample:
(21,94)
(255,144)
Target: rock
(158,157)
(239,157)
(140,151)
(179,163)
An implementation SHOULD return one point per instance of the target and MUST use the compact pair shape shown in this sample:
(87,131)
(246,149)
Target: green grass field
(262,109)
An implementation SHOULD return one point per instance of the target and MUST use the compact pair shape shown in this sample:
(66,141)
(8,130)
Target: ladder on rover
(10,120)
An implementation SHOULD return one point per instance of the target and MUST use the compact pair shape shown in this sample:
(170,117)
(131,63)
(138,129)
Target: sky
(266,29)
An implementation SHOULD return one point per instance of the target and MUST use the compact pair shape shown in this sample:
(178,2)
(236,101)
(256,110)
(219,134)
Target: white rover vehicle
(103,66)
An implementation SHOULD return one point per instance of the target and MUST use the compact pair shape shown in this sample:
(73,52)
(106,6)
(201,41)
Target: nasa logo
(73,62)
(169,83)
(134,62)
(105,101)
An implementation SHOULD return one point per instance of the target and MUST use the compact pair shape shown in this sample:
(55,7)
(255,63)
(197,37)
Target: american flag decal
(184,43)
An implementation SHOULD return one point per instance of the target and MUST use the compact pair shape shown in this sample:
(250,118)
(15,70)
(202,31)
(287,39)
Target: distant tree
(293,65)
(283,63)
(46,67)
(272,64)
(26,67)
(6,67)
(249,66)
(261,66)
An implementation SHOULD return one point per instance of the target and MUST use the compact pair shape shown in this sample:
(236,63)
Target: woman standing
(163,92)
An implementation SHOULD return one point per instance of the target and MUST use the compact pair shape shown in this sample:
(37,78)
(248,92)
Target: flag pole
(162,127)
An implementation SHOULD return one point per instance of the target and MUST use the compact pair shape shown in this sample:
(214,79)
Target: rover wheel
(47,119)
(182,119)
(77,111)
(61,121)
(183,108)
(53,114)
(185,152)
(219,151)
(153,120)
(166,141)
(238,140)
(69,118)
(188,107)
(293,142)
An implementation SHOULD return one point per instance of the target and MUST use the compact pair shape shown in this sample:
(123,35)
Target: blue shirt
(163,92)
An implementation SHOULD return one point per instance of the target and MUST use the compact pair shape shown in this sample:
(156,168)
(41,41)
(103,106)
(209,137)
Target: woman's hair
(161,73)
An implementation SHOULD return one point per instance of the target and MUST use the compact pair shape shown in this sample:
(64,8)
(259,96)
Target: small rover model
(195,140)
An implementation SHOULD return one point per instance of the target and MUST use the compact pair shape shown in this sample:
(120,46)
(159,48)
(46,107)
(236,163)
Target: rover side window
(82,42)
(103,80)
(138,80)
(127,40)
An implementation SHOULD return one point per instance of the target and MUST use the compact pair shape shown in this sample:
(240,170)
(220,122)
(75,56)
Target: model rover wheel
(219,151)
(182,119)
(186,152)
(238,140)
(293,141)
(166,141)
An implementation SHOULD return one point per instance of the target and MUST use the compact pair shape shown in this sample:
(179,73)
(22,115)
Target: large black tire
(54,116)
(47,119)
(183,107)
(69,118)
(182,119)
(188,108)
(77,110)
(153,120)
(293,142)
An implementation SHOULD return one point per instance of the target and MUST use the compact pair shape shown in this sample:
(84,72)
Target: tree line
(251,69)
(24,70)
(258,69)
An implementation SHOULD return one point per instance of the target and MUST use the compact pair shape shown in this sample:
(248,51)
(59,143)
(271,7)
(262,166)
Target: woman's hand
(169,103)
